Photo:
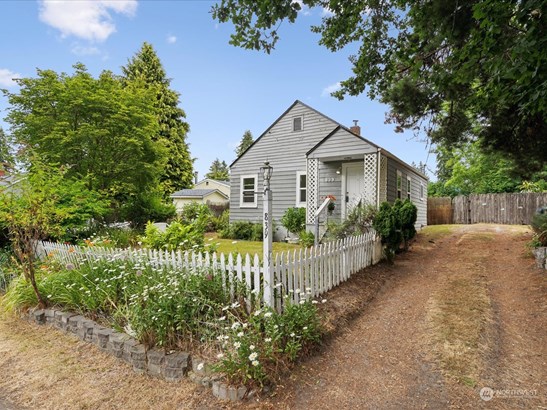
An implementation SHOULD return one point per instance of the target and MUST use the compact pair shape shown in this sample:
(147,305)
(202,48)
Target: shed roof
(196,193)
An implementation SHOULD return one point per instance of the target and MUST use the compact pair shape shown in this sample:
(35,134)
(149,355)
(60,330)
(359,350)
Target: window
(399,184)
(301,188)
(298,123)
(248,189)
(421,191)
(408,186)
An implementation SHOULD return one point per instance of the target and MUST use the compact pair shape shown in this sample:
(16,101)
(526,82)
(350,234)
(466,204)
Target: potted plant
(332,205)
(294,220)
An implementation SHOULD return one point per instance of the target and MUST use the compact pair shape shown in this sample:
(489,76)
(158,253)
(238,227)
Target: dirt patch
(469,293)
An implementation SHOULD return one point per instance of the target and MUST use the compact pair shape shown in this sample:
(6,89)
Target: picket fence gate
(298,275)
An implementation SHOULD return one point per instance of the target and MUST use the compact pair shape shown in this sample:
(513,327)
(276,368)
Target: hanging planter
(332,205)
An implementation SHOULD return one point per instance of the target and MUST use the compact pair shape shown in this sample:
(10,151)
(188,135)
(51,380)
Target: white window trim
(409,188)
(301,123)
(248,204)
(399,190)
(298,188)
(422,191)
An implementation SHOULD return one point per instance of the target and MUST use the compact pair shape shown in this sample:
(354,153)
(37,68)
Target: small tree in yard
(294,220)
(44,204)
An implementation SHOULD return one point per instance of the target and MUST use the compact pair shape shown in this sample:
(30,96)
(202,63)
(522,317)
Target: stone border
(171,367)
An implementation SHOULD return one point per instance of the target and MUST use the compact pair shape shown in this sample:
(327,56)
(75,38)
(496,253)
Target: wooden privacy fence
(503,208)
(298,274)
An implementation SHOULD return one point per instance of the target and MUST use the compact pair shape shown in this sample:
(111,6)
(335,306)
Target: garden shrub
(243,230)
(257,347)
(221,222)
(196,213)
(146,207)
(307,239)
(175,237)
(539,225)
(358,221)
(294,220)
(395,225)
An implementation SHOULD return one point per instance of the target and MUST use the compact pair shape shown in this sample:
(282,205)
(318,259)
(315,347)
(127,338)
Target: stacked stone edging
(171,367)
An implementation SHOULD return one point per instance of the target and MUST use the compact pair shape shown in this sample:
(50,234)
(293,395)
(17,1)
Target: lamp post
(266,171)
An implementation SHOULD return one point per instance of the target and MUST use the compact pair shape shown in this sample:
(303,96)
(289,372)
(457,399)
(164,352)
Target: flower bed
(191,310)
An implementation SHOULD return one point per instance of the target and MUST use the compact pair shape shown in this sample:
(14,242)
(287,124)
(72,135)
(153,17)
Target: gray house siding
(285,149)
(415,180)
(341,144)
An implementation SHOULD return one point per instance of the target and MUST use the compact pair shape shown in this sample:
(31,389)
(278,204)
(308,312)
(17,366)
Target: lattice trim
(312,181)
(370,179)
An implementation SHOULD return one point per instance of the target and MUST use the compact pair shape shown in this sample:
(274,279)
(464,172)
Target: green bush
(358,221)
(243,230)
(146,207)
(176,237)
(221,222)
(294,220)
(258,346)
(539,225)
(307,239)
(7,268)
(196,213)
(395,225)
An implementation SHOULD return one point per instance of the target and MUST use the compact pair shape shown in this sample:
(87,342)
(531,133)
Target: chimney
(195,177)
(355,128)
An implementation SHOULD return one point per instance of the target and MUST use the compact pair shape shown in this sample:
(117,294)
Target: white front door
(353,186)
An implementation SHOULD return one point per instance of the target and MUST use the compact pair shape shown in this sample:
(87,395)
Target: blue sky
(224,90)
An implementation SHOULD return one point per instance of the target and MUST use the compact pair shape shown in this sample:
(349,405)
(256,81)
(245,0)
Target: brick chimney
(355,128)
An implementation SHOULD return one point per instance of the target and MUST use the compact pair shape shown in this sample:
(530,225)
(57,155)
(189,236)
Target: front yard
(227,246)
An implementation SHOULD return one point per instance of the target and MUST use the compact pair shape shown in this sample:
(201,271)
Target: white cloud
(87,19)
(7,76)
(80,50)
(171,39)
(330,89)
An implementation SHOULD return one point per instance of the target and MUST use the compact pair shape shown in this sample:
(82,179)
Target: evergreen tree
(173,129)
(218,171)
(5,151)
(246,142)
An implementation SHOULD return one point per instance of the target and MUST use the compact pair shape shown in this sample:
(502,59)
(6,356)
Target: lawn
(251,247)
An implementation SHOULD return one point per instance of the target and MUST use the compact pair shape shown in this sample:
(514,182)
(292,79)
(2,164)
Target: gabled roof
(339,127)
(196,193)
(277,120)
(227,183)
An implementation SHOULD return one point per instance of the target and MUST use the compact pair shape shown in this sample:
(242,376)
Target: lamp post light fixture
(267,171)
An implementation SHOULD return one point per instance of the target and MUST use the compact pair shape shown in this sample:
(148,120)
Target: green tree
(97,128)
(146,67)
(45,203)
(246,141)
(467,169)
(443,66)
(218,170)
(5,150)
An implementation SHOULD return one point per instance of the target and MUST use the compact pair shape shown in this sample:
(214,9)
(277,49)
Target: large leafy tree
(246,141)
(100,130)
(466,169)
(172,129)
(218,170)
(44,203)
(443,66)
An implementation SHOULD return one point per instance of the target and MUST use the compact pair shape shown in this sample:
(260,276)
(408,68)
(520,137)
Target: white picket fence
(298,274)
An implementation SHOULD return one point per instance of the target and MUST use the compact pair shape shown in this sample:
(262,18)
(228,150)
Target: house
(313,157)
(206,191)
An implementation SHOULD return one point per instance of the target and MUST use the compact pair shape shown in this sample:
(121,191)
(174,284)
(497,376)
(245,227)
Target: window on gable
(399,184)
(408,187)
(298,123)
(301,189)
(248,188)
